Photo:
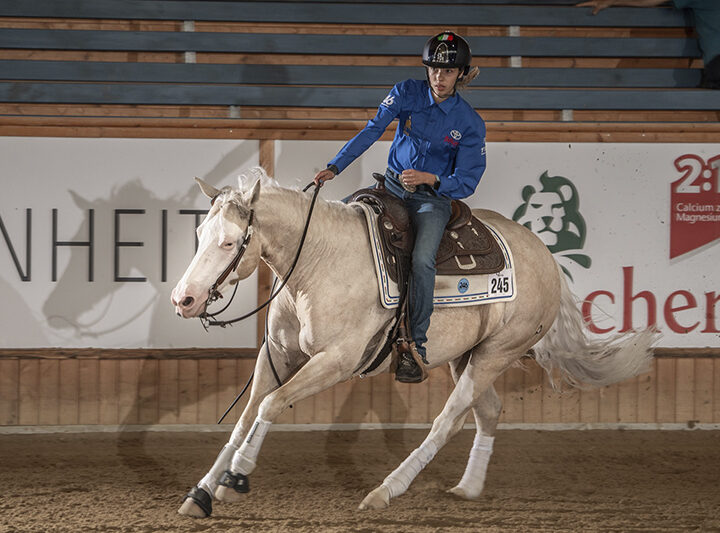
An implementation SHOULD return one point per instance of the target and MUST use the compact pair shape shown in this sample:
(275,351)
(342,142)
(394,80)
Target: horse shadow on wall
(80,315)
(66,307)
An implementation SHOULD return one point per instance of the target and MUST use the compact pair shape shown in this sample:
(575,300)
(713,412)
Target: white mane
(247,181)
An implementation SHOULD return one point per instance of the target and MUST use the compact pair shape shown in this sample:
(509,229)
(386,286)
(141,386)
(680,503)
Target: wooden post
(265,275)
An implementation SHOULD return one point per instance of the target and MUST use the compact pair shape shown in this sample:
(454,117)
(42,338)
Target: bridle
(214,292)
(208,319)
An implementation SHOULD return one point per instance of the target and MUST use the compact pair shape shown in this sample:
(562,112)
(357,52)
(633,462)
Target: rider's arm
(469,164)
(373,130)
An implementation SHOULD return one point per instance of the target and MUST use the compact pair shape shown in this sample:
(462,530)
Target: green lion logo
(552,214)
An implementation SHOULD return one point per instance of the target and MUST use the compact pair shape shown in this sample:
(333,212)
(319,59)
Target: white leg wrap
(210,482)
(399,480)
(473,479)
(244,460)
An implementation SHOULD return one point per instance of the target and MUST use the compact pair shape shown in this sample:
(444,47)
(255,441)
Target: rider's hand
(414,177)
(323,176)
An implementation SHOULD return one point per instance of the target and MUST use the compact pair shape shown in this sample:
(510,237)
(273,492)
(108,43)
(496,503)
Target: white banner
(606,211)
(109,286)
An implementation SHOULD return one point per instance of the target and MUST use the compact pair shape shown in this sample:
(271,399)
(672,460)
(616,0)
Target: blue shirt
(445,139)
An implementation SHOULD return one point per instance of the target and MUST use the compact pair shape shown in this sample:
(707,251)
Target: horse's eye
(229,244)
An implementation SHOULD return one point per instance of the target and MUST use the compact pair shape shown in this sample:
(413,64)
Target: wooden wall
(112,391)
(66,387)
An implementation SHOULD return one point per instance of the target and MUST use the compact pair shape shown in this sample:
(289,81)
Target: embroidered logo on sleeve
(389,100)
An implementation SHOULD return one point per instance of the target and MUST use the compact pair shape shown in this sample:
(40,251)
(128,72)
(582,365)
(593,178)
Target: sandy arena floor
(313,482)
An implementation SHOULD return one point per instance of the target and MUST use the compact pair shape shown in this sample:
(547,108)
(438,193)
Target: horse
(316,337)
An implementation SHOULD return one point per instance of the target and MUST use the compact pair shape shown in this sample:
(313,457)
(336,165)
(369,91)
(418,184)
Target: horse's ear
(253,195)
(81,202)
(207,189)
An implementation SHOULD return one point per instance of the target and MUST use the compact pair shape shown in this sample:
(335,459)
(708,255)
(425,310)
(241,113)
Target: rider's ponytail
(467,78)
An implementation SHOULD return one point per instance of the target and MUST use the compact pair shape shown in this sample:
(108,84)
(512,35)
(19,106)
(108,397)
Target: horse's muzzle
(187,304)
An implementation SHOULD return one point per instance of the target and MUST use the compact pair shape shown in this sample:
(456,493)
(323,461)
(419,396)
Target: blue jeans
(429,214)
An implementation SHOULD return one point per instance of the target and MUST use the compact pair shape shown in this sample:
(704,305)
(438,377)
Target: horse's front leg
(324,370)
(198,502)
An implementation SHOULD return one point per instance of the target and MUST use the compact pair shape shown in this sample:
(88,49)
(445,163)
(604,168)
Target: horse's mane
(247,180)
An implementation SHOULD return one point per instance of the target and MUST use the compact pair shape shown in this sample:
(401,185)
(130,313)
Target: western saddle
(467,248)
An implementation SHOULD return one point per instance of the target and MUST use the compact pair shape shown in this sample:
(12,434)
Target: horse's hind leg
(486,413)
(472,385)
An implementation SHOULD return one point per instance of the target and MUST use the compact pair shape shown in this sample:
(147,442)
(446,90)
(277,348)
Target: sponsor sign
(96,232)
(694,204)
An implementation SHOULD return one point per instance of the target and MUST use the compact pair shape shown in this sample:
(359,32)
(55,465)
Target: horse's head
(225,246)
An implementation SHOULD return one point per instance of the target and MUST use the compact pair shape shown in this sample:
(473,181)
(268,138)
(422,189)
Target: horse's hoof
(227,495)
(191,509)
(197,504)
(377,499)
(462,493)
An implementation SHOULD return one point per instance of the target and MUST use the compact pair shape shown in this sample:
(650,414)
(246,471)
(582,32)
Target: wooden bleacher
(317,70)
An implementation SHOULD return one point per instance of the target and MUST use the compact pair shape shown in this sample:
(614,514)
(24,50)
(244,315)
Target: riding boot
(410,367)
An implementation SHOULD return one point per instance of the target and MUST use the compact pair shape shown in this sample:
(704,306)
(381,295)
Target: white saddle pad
(450,291)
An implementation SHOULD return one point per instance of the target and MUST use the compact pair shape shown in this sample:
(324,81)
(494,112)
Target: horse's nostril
(188,301)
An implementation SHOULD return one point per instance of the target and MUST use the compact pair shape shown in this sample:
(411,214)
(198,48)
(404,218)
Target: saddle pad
(450,291)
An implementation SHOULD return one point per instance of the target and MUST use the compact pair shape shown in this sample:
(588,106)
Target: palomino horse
(317,339)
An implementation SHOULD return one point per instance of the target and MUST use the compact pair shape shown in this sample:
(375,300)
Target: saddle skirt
(466,275)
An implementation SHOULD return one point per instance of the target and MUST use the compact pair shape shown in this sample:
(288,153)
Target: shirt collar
(445,105)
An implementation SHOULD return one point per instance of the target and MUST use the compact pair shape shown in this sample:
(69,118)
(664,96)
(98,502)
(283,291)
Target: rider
(438,154)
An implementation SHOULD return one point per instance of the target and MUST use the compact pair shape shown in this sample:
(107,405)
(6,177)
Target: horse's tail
(584,362)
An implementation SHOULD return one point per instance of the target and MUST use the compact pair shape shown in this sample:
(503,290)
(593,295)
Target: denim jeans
(429,214)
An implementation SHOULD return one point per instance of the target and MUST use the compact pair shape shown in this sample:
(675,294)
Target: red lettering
(587,311)
(710,301)
(669,311)
(629,298)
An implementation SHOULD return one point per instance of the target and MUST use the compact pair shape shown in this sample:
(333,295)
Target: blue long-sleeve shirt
(445,139)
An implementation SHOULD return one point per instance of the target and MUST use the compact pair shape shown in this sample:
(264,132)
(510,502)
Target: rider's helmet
(447,50)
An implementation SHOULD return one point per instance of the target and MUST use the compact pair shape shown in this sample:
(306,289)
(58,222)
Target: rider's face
(442,81)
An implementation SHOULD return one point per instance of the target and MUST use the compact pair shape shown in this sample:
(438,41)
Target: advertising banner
(96,232)
(636,227)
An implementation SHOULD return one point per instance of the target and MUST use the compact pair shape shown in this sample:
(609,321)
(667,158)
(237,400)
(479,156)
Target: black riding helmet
(447,50)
